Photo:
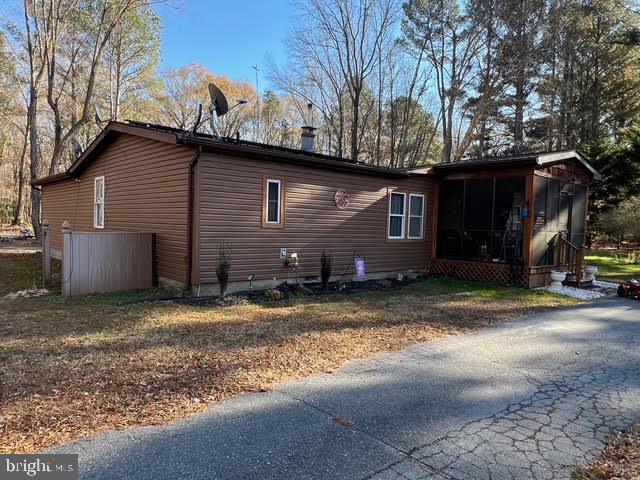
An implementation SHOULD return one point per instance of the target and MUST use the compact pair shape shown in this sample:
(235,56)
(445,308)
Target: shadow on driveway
(525,399)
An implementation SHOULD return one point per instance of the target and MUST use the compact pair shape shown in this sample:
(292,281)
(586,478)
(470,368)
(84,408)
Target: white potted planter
(557,277)
(590,272)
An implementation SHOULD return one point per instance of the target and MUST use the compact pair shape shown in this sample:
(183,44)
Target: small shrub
(224,266)
(274,294)
(326,265)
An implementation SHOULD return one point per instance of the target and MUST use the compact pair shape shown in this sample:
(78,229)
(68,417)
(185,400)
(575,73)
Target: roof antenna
(218,106)
(194,130)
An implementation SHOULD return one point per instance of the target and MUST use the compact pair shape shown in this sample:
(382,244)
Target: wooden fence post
(67,258)
(46,254)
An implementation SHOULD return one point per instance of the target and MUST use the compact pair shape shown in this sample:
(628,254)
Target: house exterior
(195,192)
(512,219)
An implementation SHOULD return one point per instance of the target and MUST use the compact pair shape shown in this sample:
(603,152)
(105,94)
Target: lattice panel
(482,272)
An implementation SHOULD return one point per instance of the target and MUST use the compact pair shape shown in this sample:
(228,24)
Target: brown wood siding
(146,190)
(569,171)
(231,209)
(479,173)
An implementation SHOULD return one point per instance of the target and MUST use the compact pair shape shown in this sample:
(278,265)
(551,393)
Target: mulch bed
(285,291)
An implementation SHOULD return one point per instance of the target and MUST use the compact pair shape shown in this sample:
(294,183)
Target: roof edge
(177,137)
(555,157)
(293,157)
(113,127)
(120,127)
(51,179)
(535,158)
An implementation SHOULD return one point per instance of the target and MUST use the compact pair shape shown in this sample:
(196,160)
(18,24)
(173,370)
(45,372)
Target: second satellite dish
(218,100)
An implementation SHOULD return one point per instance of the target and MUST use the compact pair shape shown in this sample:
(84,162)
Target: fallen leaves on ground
(620,459)
(72,368)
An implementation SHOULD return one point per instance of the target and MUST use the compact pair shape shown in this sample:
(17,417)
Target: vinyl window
(396,215)
(98,202)
(416,216)
(273,203)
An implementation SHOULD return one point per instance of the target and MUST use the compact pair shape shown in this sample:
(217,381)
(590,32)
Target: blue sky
(226,36)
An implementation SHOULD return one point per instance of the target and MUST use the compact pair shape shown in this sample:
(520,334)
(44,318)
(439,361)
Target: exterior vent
(308,136)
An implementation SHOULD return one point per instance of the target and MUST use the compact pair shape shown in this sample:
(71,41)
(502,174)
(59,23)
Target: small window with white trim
(98,202)
(396,215)
(416,216)
(273,203)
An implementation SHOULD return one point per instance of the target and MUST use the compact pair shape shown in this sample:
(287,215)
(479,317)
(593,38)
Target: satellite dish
(99,117)
(218,101)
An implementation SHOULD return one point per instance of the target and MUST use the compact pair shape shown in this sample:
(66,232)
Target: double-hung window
(98,202)
(396,215)
(416,216)
(273,203)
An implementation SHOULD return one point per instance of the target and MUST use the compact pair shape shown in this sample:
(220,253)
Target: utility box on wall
(106,261)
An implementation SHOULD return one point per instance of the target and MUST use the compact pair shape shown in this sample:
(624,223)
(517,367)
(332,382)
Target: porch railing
(570,256)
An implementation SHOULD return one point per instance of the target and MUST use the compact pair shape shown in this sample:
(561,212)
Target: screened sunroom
(511,219)
(481,219)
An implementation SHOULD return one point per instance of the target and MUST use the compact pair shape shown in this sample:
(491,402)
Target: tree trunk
(447,147)
(34,159)
(518,121)
(379,118)
(588,238)
(341,130)
(17,215)
(552,131)
(116,109)
(57,146)
(355,123)
(451,95)
(392,127)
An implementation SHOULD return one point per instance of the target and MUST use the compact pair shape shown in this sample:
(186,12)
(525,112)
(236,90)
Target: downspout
(191,216)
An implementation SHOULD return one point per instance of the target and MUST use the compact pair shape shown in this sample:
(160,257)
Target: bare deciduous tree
(65,42)
(176,103)
(450,39)
(336,47)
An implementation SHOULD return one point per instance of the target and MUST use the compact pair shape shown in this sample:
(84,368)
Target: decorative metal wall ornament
(342,199)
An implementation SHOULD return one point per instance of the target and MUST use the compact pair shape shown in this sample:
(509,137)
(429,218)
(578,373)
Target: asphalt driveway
(527,399)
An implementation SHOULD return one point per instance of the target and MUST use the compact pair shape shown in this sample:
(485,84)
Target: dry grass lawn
(6,229)
(19,271)
(71,368)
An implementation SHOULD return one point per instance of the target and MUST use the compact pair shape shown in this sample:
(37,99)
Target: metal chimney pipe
(308,135)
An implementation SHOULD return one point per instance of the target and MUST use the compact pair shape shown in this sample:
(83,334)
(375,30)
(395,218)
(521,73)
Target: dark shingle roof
(234,146)
(231,146)
(533,158)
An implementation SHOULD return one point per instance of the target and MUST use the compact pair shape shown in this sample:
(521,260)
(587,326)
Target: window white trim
(98,200)
(279,206)
(421,217)
(403,216)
